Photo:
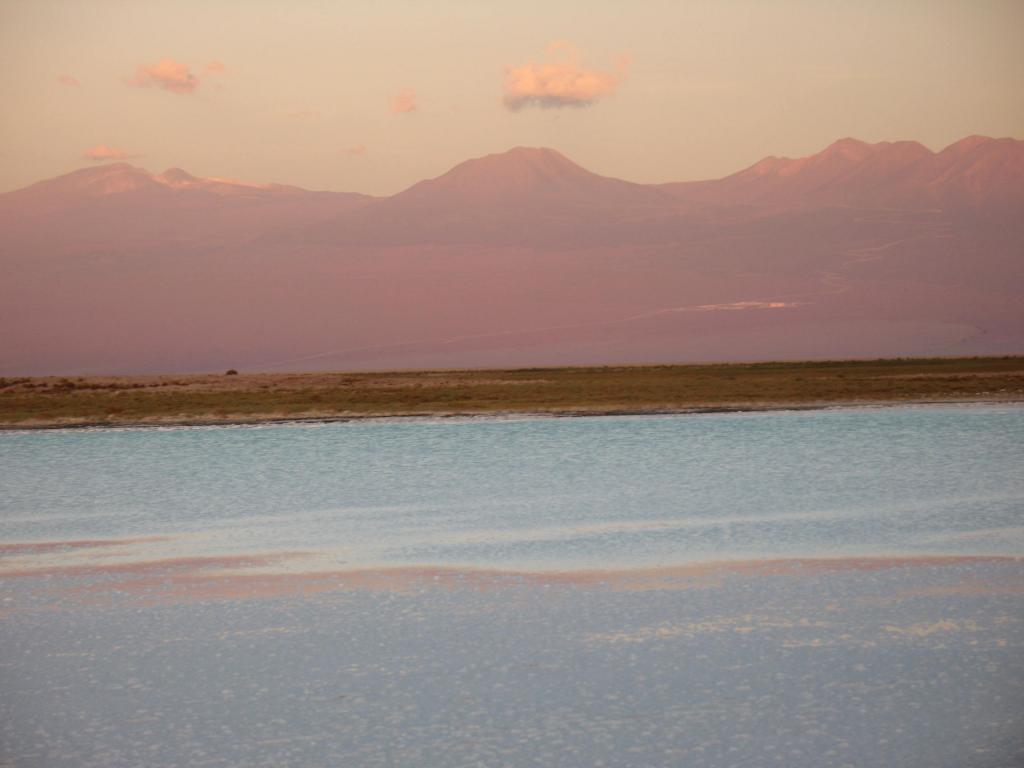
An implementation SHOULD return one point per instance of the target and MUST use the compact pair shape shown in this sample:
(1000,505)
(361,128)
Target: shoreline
(276,419)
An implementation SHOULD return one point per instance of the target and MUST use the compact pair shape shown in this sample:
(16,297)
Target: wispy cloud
(168,74)
(101,153)
(358,149)
(215,68)
(559,82)
(68,80)
(404,102)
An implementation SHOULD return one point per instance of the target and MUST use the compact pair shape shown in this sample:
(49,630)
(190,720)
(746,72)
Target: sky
(373,96)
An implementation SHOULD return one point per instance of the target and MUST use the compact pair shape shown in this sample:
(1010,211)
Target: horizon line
(269,184)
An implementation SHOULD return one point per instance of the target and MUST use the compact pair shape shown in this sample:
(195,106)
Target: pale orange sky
(373,96)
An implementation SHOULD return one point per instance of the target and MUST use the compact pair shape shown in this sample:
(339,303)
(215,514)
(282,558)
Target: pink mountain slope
(524,177)
(524,195)
(119,205)
(121,181)
(975,171)
(520,258)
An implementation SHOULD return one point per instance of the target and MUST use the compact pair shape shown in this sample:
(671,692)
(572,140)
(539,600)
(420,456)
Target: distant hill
(974,172)
(524,179)
(124,179)
(520,258)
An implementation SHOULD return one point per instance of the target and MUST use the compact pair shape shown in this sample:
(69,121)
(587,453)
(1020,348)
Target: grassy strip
(52,401)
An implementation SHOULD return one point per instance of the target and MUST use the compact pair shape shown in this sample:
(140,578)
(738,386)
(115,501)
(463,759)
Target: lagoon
(548,494)
(812,588)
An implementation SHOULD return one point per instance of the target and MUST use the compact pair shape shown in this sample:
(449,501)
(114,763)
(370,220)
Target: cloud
(404,102)
(215,68)
(67,80)
(358,149)
(559,82)
(168,74)
(101,153)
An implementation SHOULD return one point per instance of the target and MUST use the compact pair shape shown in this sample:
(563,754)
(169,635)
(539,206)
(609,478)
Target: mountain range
(520,258)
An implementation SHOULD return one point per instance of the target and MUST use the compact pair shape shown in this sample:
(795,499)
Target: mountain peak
(517,172)
(518,180)
(520,160)
(533,155)
(966,144)
(118,178)
(848,148)
(177,177)
(892,174)
(104,180)
(522,151)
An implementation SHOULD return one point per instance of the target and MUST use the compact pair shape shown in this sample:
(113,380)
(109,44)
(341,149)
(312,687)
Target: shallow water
(444,593)
(881,669)
(537,494)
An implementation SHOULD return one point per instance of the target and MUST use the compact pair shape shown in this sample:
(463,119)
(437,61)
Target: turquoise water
(143,653)
(537,493)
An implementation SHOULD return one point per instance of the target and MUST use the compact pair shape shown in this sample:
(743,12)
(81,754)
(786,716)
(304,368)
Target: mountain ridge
(974,171)
(517,172)
(848,170)
(122,177)
(520,258)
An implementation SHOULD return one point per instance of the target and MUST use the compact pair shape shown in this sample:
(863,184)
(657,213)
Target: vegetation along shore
(256,397)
